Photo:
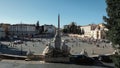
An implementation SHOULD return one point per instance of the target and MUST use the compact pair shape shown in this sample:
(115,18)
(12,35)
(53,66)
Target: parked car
(105,58)
(18,42)
(82,59)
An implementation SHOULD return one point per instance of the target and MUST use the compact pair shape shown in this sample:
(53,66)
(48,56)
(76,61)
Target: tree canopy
(72,28)
(113,25)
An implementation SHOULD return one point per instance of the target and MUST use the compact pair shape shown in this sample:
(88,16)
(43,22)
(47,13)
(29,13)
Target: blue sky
(82,12)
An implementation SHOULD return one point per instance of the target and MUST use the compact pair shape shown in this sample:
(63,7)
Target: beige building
(87,30)
(99,32)
(94,31)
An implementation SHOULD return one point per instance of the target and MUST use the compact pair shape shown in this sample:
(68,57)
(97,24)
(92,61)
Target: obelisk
(58,36)
(58,24)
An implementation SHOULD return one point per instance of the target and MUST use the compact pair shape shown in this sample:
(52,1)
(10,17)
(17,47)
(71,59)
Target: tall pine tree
(113,25)
(37,27)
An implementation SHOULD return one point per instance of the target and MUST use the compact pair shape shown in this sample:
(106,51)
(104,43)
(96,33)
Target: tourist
(33,45)
(103,46)
(97,45)
(93,52)
(72,45)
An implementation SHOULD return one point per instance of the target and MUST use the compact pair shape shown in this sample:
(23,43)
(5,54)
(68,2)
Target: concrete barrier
(14,57)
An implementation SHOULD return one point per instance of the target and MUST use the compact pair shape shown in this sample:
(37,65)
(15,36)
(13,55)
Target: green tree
(78,31)
(73,27)
(82,31)
(37,27)
(113,25)
(65,31)
(5,26)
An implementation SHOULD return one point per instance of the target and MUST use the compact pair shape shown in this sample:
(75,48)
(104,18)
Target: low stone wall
(13,57)
(75,35)
(57,59)
(36,57)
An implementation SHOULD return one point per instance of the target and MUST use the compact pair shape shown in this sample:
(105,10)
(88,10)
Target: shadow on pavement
(5,49)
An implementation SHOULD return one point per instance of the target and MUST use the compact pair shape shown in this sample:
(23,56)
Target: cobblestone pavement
(37,47)
(38,64)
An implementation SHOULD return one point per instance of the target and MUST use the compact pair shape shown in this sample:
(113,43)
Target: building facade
(100,32)
(94,31)
(49,29)
(87,29)
(22,29)
(2,33)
